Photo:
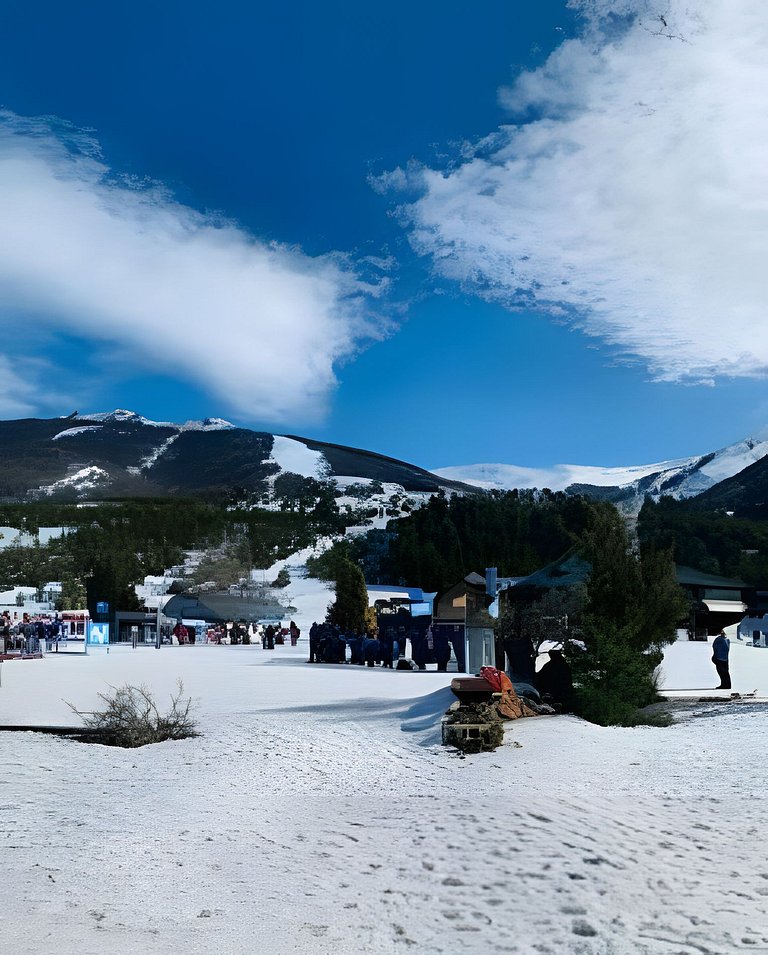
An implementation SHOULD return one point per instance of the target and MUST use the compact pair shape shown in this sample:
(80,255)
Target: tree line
(113,545)
(711,541)
(441,542)
(617,622)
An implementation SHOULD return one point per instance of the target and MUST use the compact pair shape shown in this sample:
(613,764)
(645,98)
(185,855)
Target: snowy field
(319,813)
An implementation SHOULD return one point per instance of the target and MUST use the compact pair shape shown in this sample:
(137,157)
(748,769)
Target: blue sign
(102,607)
(98,633)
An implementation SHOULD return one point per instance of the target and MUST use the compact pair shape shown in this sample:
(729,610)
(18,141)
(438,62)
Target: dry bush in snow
(131,717)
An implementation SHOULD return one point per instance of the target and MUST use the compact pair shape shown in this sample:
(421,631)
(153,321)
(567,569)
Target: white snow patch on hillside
(309,595)
(291,455)
(71,432)
(344,481)
(83,480)
(271,832)
(153,456)
(735,458)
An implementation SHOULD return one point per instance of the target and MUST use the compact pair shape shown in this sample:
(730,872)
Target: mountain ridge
(123,454)
(626,486)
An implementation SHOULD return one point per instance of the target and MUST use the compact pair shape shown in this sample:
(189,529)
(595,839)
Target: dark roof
(697,578)
(475,580)
(568,570)
(221,606)
(471,582)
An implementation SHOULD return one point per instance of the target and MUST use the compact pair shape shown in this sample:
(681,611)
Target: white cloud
(28,385)
(632,196)
(262,325)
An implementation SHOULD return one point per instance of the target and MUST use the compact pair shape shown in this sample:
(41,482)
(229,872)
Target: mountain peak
(122,415)
(119,414)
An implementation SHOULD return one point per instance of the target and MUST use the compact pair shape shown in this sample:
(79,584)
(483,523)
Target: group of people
(328,643)
(242,632)
(29,634)
(272,636)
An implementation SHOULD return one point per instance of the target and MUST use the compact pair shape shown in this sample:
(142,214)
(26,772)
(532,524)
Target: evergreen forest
(714,542)
(110,546)
(440,543)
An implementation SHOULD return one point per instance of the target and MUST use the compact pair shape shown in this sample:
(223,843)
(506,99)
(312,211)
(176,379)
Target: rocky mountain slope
(745,494)
(121,454)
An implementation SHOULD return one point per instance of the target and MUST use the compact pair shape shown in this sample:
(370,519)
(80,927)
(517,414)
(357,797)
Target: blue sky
(452,233)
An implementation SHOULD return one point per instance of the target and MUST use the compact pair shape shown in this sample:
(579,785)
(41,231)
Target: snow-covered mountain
(683,477)
(122,454)
(120,415)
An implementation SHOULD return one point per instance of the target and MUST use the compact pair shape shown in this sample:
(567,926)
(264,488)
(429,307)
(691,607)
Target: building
(30,600)
(461,616)
(716,602)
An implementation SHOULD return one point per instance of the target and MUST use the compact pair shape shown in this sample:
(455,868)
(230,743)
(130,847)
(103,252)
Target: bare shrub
(131,717)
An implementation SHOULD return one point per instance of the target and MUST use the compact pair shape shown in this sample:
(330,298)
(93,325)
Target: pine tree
(349,609)
(633,605)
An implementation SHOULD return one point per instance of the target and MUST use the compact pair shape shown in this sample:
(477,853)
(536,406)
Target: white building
(155,588)
(20,600)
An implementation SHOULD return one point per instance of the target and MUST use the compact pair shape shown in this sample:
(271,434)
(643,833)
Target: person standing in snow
(554,681)
(386,644)
(314,641)
(721,647)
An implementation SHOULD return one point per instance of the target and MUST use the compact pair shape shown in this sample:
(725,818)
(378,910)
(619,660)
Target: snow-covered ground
(319,813)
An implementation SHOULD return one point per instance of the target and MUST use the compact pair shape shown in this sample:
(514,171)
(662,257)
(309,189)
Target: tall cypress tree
(348,611)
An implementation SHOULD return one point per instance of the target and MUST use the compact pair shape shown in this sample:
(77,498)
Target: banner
(98,634)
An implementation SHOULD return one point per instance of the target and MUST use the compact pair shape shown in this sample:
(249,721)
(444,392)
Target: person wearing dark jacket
(371,651)
(554,681)
(385,646)
(442,650)
(721,647)
(314,642)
